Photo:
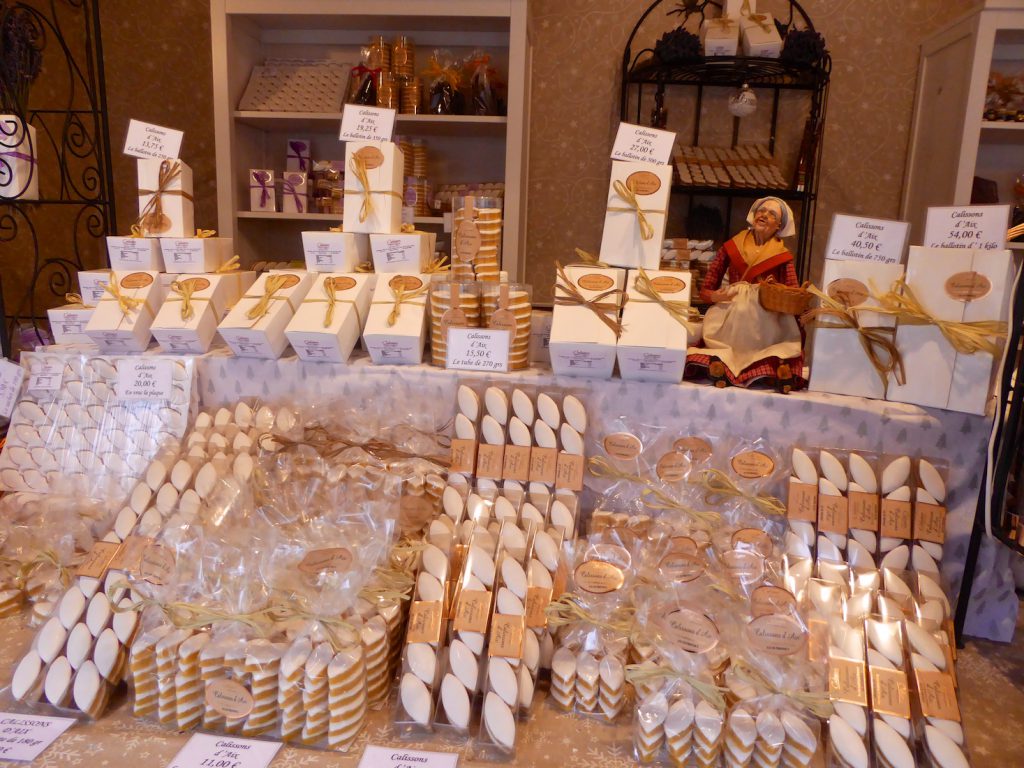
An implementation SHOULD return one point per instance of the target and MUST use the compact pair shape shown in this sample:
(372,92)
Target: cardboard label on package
(930,522)
(47,378)
(478,349)
(490,461)
(847,681)
(856,238)
(157,564)
(863,511)
(425,622)
(833,514)
(894,520)
(362,123)
(25,737)
(543,465)
(981,227)
(537,601)
(517,463)
(638,143)
(937,695)
(145,379)
(472,610)
(129,555)
(96,562)
(890,694)
(463,456)
(145,140)
(569,472)
(802,503)
(506,638)
(11,376)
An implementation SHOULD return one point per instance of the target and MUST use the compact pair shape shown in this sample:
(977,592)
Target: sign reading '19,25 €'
(359,123)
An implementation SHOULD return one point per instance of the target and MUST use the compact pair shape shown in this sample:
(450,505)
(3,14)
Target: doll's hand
(723,294)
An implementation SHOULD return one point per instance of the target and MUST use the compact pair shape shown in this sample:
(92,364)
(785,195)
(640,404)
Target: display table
(804,418)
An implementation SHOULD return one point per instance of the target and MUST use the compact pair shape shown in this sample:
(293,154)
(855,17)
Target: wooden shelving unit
(460,148)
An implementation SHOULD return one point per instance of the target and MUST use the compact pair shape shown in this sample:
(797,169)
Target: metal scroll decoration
(46,241)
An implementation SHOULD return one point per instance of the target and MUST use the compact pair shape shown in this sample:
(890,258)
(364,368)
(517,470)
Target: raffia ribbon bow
(358,167)
(652,496)
(589,259)
(633,204)
(229,266)
(75,300)
(170,171)
(717,483)
(721,24)
(332,301)
(876,340)
(965,337)
(607,312)
(273,284)
(815,702)
(758,18)
(128,304)
(638,674)
(568,609)
(205,233)
(184,615)
(185,290)
(680,311)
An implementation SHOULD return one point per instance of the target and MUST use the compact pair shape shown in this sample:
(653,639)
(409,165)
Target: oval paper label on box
(643,183)
(752,464)
(228,698)
(672,467)
(414,512)
(753,539)
(623,446)
(610,553)
(697,448)
(467,239)
(289,281)
(768,599)
(453,318)
(683,544)
(968,286)
(136,280)
(371,156)
(157,564)
(333,559)
(776,634)
(694,631)
(405,283)
(667,284)
(681,566)
(745,567)
(848,292)
(342,283)
(598,577)
(593,281)
(503,320)
(196,283)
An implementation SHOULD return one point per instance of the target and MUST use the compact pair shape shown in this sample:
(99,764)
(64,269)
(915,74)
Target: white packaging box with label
(376,205)
(760,36)
(581,343)
(960,285)
(335,251)
(128,253)
(91,284)
(653,343)
(839,364)
(623,242)
(720,37)
(324,331)
(123,324)
(294,192)
(165,198)
(404,252)
(255,325)
(193,255)
(400,343)
(191,327)
(68,323)
(540,336)
(298,155)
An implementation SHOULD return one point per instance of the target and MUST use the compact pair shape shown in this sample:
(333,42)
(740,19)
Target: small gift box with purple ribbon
(298,157)
(261,190)
(19,170)
(294,192)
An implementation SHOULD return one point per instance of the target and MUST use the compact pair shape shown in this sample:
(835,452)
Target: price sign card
(646,145)
(204,750)
(24,737)
(359,123)
(145,379)
(478,349)
(972,226)
(396,757)
(855,238)
(11,376)
(152,141)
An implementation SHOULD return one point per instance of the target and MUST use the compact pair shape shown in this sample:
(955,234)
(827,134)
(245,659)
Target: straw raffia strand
(815,702)
(644,673)
(568,610)
(717,483)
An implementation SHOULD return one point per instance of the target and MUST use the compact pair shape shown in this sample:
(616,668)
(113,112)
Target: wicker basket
(777,297)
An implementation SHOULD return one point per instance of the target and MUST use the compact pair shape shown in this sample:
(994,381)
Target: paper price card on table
(24,737)
(862,239)
(152,141)
(11,376)
(145,379)
(478,349)
(642,144)
(396,757)
(360,123)
(973,226)
(211,751)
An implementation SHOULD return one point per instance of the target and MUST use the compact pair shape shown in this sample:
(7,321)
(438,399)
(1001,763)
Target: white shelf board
(1001,125)
(1018,246)
(282,216)
(418,125)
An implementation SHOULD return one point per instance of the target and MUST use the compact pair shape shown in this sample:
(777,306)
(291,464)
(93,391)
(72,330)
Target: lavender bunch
(21,56)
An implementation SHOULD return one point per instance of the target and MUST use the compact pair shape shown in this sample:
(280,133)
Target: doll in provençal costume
(743,343)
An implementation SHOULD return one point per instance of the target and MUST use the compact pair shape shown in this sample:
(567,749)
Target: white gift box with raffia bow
(401,342)
(314,341)
(581,344)
(211,297)
(194,255)
(252,333)
(175,200)
(653,343)
(124,325)
(335,251)
(384,166)
(760,36)
(134,253)
(720,37)
(622,242)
